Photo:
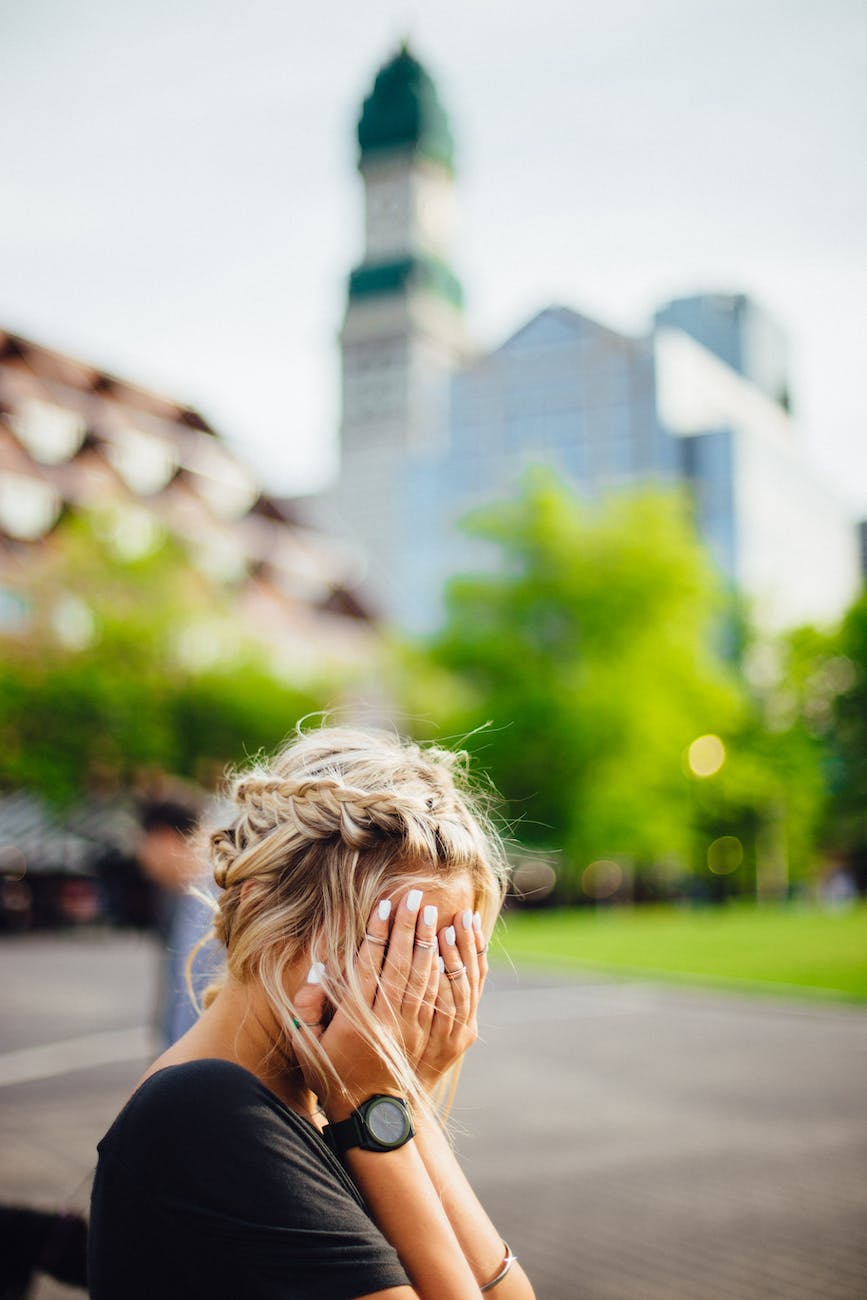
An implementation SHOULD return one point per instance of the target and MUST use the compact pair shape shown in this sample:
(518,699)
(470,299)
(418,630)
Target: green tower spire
(403,112)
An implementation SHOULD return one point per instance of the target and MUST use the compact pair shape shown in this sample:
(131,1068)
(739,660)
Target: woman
(287,1145)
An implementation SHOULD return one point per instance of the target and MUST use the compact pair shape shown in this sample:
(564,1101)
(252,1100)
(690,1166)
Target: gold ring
(456,974)
(426,943)
(372,938)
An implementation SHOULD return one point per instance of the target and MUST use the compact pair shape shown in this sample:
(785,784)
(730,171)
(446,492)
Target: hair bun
(224,851)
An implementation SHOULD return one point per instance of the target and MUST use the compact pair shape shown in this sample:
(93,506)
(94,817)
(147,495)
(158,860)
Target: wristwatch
(382,1123)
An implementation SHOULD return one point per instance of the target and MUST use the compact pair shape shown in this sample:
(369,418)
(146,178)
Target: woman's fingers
(371,954)
(481,948)
(398,960)
(429,1001)
(424,952)
(422,984)
(456,972)
(466,943)
(445,1004)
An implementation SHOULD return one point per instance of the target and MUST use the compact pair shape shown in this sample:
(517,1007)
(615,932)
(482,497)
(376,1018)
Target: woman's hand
(398,973)
(455,1024)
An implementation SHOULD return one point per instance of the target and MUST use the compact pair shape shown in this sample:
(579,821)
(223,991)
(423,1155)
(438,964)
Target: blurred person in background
(290,1143)
(168,860)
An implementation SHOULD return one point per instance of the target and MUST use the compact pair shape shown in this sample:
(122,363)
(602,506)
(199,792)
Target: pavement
(632,1141)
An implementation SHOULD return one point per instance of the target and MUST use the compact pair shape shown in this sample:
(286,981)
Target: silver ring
(456,974)
(372,938)
(480,952)
(426,943)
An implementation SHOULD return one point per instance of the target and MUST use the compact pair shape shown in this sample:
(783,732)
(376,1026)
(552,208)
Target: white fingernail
(442,965)
(430,915)
(477,922)
(450,935)
(413,900)
(467,920)
(385,909)
(317,970)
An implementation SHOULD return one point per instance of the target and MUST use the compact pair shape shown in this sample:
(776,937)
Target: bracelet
(506,1265)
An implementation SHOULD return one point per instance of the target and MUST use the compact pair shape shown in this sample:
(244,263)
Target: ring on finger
(426,943)
(373,938)
(456,974)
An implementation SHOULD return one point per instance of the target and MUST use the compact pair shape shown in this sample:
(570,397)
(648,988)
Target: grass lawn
(795,949)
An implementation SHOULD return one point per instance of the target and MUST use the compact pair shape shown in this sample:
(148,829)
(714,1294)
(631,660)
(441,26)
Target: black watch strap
(381,1123)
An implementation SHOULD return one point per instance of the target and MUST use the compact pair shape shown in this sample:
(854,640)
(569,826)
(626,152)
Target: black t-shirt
(209,1186)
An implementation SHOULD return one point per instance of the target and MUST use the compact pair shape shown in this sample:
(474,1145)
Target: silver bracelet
(506,1265)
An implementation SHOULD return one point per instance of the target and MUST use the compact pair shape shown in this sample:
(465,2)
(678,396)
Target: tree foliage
(772,791)
(593,649)
(845,681)
(599,646)
(104,683)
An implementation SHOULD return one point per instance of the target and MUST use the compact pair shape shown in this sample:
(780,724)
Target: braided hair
(337,820)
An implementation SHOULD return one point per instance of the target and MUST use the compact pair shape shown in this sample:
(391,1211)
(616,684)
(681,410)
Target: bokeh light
(706,755)
(602,879)
(725,855)
(13,863)
(533,881)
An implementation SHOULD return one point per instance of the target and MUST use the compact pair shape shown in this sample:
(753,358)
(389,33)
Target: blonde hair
(338,820)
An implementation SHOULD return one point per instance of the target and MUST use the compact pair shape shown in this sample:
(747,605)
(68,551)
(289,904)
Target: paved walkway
(633,1142)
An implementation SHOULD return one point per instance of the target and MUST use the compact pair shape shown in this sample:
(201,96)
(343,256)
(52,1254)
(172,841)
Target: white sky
(180,205)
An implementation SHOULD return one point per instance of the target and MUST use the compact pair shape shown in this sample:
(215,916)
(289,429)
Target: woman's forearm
(400,1195)
(479,1240)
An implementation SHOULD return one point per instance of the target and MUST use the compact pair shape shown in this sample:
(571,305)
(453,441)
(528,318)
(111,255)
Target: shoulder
(199,1082)
(196,1093)
(201,1110)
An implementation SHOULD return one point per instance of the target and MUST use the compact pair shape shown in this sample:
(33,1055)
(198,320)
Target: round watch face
(387,1120)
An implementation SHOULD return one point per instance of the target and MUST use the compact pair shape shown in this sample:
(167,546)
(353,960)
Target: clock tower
(403,332)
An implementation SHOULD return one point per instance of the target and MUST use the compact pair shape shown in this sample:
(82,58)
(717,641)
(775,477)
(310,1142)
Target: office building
(432,426)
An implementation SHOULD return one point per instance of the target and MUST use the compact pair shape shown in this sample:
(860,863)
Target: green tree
(845,677)
(132,661)
(771,793)
(594,649)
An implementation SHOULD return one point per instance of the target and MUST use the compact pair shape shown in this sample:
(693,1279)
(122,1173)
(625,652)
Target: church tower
(403,332)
